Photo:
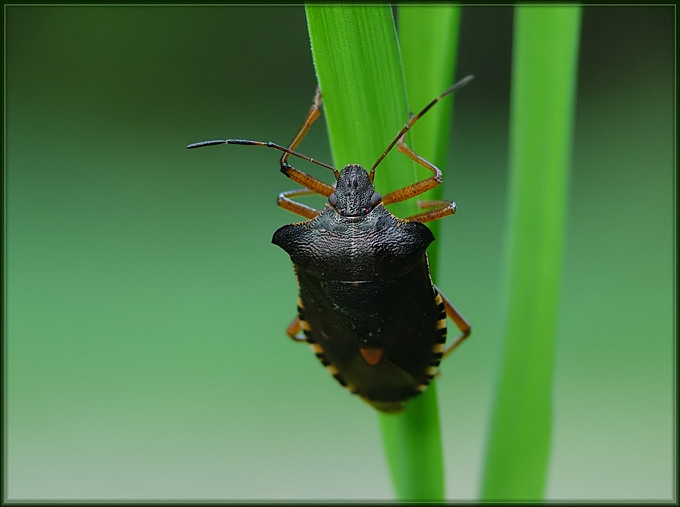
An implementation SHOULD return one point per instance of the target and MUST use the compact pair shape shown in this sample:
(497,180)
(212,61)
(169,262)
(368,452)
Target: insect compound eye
(333,200)
(376,198)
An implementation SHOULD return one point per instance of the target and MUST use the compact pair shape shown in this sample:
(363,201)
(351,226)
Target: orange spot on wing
(371,355)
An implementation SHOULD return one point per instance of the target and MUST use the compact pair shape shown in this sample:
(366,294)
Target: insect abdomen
(402,317)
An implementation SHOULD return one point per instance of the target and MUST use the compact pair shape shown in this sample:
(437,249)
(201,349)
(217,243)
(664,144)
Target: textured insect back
(367,305)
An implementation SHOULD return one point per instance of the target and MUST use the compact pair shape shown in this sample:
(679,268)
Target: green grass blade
(412,441)
(357,60)
(542,102)
(428,37)
(358,66)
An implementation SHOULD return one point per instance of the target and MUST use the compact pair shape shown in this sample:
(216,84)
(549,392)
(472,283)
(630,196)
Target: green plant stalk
(359,69)
(545,56)
(356,56)
(428,38)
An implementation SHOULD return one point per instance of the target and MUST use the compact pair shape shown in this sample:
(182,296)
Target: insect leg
(414,118)
(458,320)
(418,187)
(284,201)
(441,209)
(307,181)
(293,330)
(316,186)
(312,115)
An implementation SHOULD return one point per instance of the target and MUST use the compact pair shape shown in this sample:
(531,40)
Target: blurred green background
(145,348)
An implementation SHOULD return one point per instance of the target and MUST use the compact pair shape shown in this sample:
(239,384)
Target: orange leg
(441,209)
(418,187)
(414,118)
(312,115)
(307,181)
(284,201)
(458,320)
(293,330)
(316,186)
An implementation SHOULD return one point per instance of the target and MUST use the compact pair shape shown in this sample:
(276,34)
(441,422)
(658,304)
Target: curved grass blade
(358,66)
(542,103)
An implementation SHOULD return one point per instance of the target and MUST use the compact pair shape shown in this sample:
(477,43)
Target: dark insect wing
(410,343)
(367,305)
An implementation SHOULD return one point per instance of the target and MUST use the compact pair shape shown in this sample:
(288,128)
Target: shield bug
(367,305)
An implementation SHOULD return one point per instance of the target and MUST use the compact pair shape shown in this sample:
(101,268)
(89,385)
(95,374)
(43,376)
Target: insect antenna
(415,118)
(267,144)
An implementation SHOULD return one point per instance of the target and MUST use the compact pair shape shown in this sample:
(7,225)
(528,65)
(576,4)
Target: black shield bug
(367,305)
